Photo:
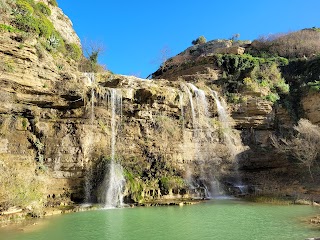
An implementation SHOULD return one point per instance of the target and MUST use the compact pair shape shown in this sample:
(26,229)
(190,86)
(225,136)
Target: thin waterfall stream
(232,140)
(114,179)
(224,120)
(89,175)
(206,184)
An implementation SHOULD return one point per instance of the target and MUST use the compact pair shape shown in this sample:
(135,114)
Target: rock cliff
(59,127)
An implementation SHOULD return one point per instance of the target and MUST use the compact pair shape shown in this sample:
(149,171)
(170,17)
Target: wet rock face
(67,132)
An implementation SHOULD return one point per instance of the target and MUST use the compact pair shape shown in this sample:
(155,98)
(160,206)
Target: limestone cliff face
(67,133)
(263,121)
(62,23)
(56,123)
(311,107)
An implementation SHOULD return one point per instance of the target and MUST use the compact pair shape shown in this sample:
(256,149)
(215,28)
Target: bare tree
(162,59)
(235,37)
(92,51)
(165,52)
(305,147)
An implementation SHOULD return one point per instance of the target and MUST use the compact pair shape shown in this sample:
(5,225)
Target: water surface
(216,219)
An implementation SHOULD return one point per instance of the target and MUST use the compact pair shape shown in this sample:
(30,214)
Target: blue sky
(134,32)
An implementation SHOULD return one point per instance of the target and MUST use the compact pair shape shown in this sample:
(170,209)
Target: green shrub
(268,75)
(62,46)
(55,43)
(233,98)
(27,24)
(171,183)
(314,86)
(43,8)
(24,7)
(282,87)
(264,83)
(74,51)
(7,28)
(233,63)
(250,84)
(36,23)
(135,186)
(199,40)
(53,3)
(46,27)
(272,97)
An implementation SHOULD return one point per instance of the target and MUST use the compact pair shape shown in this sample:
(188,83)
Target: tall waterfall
(91,81)
(202,104)
(89,176)
(232,140)
(114,179)
(182,112)
(205,183)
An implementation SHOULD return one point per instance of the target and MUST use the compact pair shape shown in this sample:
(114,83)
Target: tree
(162,58)
(92,51)
(235,37)
(199,40)
(164,55)
(305,147)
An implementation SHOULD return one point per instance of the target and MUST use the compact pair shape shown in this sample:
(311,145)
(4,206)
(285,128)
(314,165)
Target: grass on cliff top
(298,44)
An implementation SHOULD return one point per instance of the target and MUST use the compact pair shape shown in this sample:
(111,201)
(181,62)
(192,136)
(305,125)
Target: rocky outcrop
(55,124)
(59,120)
(197,60)
(264,118)
(311,107)
(254,113)
(62,23)
(64,26)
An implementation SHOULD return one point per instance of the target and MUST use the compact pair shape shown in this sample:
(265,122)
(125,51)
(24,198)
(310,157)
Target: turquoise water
(217,219)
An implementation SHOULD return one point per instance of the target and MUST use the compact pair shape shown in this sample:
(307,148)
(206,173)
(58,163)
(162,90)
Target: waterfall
(88,186)
(91,81)
(193,115)
(88,177)
(232,140)
(202,104)
(182,112)
(114,179)
(205,184)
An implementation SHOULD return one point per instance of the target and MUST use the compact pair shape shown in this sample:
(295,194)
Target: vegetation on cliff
(58,119)
(30,19)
